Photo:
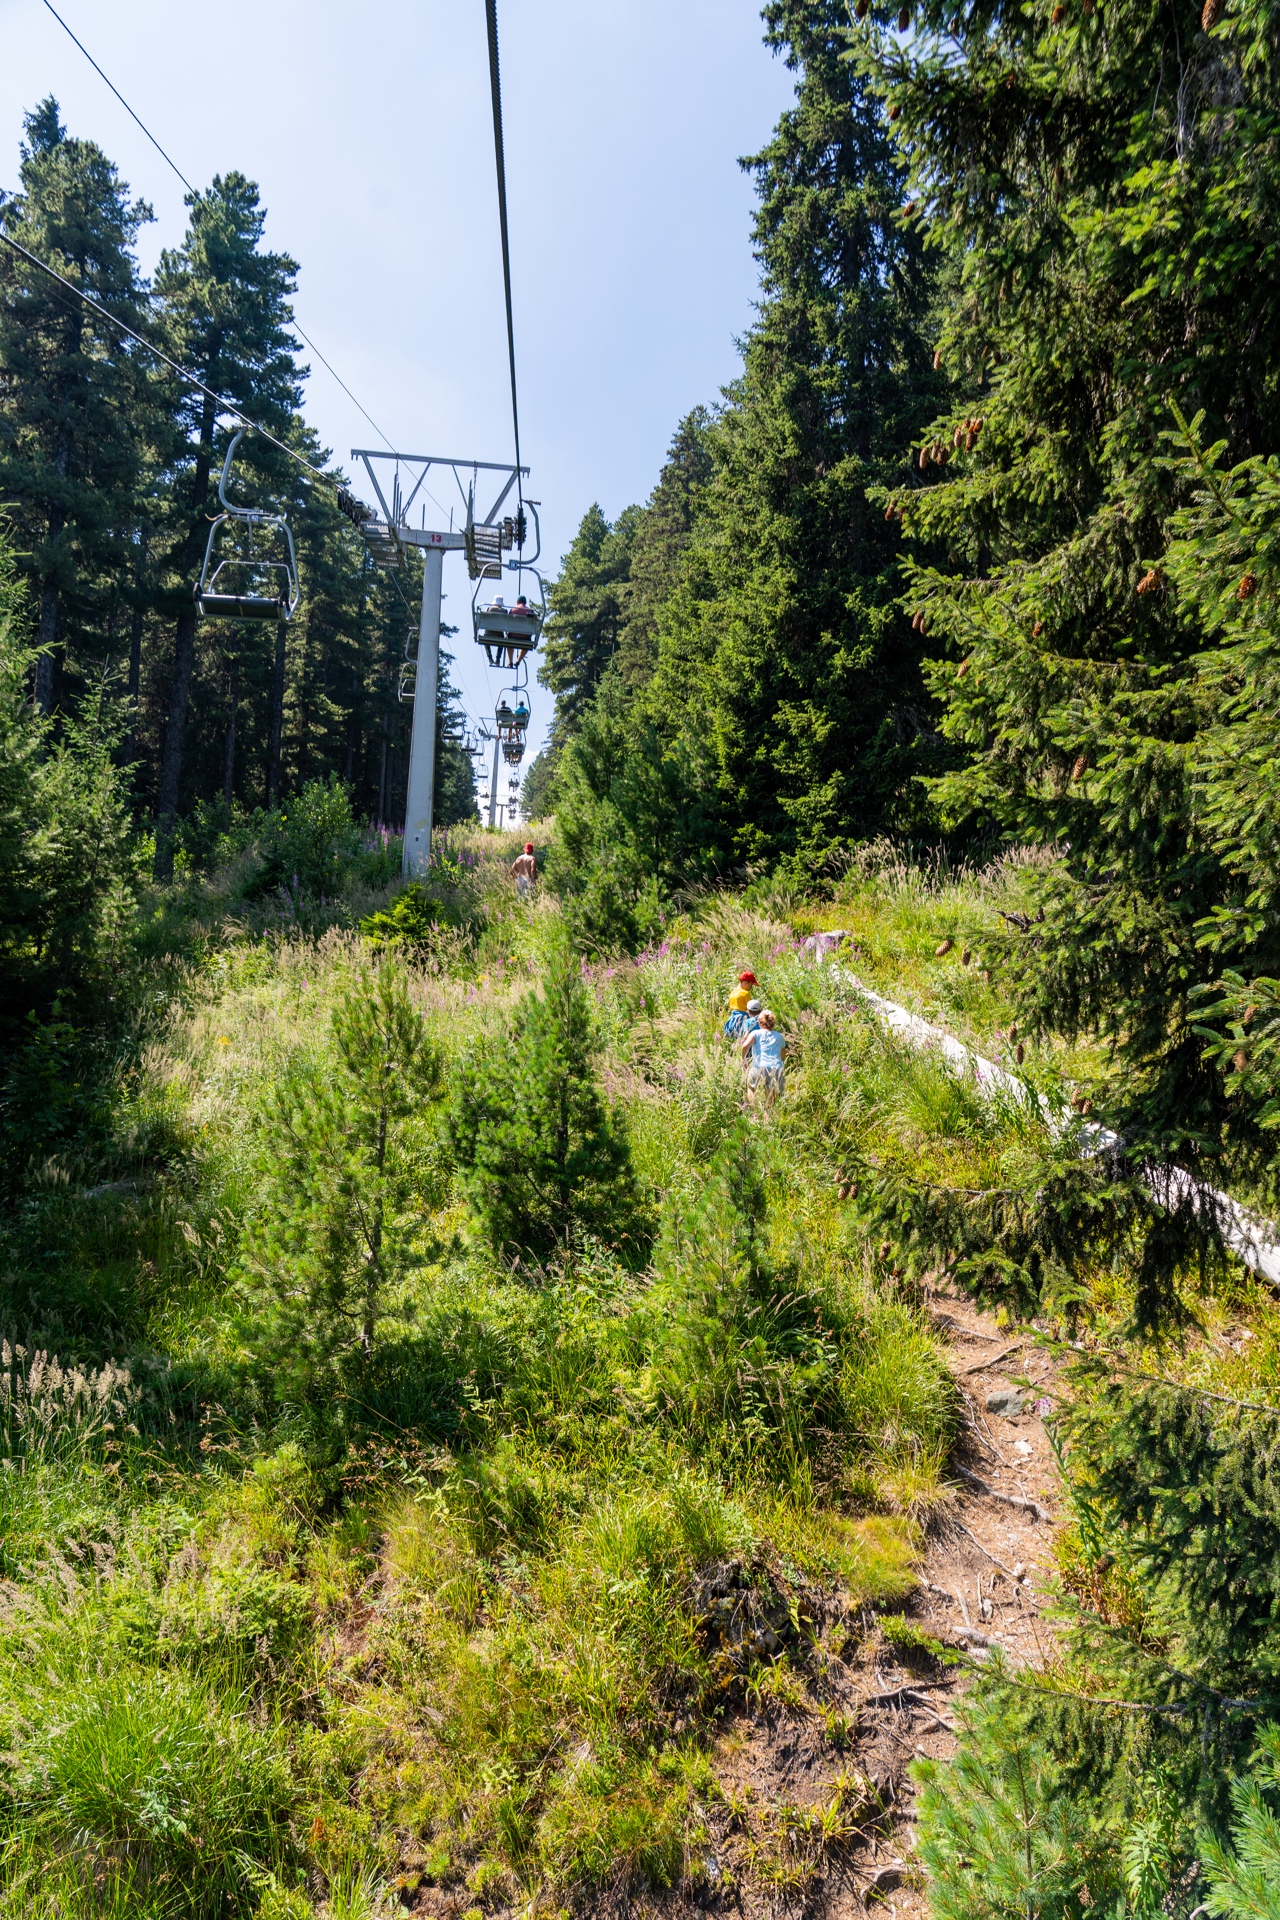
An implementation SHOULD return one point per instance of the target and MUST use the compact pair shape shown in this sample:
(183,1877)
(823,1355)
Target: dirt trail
(795,1840)
(815,1816)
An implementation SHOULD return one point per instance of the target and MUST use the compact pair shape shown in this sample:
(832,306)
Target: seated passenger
(521,606)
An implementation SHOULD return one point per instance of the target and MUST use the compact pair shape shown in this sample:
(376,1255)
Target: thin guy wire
(184,373)
(169,161)
(119,96)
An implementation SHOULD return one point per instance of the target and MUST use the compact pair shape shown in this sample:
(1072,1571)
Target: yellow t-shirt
(738,1000)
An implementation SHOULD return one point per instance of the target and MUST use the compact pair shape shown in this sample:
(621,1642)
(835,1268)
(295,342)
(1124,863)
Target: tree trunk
(184,659)
(135,683)
(47,627)
(46,635)
(186,560)
(276,730)
(229,754)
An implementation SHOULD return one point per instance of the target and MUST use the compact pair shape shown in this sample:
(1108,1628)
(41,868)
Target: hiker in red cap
(524,870)
(739,1021)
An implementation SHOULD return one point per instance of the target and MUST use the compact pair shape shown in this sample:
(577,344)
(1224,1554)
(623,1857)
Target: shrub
(310,844)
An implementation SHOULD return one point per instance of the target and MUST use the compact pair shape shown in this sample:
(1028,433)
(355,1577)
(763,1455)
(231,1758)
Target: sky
(369,132)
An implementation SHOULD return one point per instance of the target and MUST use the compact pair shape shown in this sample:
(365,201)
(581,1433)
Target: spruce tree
(74,405)
(225,314)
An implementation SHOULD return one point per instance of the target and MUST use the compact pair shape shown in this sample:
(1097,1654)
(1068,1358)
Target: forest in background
(953,623)
(109,464)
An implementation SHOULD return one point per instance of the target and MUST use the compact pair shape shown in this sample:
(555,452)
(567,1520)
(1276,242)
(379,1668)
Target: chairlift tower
(389,538)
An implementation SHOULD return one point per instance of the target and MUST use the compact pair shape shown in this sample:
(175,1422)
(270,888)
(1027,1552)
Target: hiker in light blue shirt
(763,1051)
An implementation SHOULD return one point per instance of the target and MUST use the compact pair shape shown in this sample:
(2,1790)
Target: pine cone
(860,10)
(924,457)
(1059,171)
(957,437)
(894,111)
(885,1249)
(937,361)
(970,441)
(1213,12)
(943,949)
(1019,1053)
(909,209)
(962,669)
(965,957)
(904,19)
(1058,15)
(1250,1015)
(1151,581)
(1248,585)
(1013,1030)
(1240,1059)
(1080,768)
(1037,630)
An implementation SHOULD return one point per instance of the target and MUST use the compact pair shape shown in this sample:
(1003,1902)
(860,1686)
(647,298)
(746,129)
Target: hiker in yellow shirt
(736,1025)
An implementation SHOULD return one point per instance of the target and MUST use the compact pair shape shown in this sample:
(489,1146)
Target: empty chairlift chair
(250,569)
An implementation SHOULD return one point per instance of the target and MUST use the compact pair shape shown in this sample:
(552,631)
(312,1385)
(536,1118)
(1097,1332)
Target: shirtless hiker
(524,869)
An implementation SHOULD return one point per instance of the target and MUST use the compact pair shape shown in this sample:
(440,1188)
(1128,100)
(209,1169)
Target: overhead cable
(495,86)
(170,162)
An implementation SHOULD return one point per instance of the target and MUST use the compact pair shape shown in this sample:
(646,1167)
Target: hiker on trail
(524,869)
(738,999)
(762,1051)
(750,1021)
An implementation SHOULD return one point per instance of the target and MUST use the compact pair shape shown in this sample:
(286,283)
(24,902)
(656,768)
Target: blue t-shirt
(740,1024)
(767,1047)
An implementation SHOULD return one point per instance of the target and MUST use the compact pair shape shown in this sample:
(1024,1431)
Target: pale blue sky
(368,130)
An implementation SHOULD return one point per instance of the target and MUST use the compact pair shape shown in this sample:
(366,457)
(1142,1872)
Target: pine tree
(541,1156)
(66,873)
(662,535)
(784,645)
(225,315)
(74,404)
(588,610)
(335,1228)
(1100,180)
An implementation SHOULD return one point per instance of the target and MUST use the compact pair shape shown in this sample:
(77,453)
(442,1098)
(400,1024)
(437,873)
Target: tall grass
(458,1624)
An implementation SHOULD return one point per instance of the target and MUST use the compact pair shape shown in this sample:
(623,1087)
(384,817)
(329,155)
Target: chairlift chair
(505,635)
(270,562)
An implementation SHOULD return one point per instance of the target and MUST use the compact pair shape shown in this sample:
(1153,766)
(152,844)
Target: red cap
(747,980)
(528,846)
